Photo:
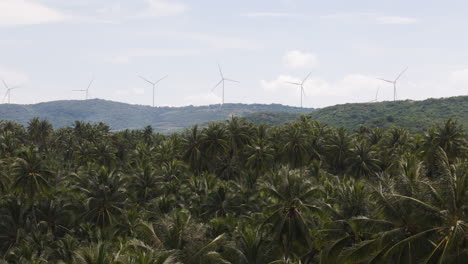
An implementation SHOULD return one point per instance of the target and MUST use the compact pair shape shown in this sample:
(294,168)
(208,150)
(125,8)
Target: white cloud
(369,17)
(270,14)
(279,83)
(347,16)
(221,42)
(397,20)
(351,88)
(27,12)
(141,53)
(298,59)
(161,8)
(202,99)
(313,86)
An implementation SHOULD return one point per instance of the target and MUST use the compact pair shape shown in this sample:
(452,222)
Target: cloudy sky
(50,47)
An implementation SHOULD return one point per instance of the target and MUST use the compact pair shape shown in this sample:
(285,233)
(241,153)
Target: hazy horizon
(51,47)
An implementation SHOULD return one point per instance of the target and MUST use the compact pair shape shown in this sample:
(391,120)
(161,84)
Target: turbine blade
(220,71)
(231,80)
(4,83)
(161,79)
(384,80)
(6,94)
(90,83)
(216,86)
(146,80)
(401,74)
(293,83)
(307,77)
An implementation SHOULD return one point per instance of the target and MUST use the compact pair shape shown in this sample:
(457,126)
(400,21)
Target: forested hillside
(125,116)
(416,116)
(233,192)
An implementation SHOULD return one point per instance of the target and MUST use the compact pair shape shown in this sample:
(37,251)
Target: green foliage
(416,116)
(233,192)
(121,116)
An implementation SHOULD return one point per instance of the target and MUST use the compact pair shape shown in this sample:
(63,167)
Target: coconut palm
(290,202)
(338,147)
(104,195)
(39,132)
(362,160)
(192,145)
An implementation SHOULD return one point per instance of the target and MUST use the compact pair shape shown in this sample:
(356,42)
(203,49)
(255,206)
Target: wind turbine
(302,92)
(87,89)
(394,83)
(8,92)
(153,83)
(376,96)
(222,81)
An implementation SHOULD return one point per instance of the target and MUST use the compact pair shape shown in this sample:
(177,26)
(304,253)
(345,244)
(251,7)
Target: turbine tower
(86,90)
(8,92)
(222,81)
(302,92)
(153,83)
(394,82)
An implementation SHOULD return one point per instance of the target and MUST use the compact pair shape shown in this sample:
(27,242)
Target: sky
(50,47)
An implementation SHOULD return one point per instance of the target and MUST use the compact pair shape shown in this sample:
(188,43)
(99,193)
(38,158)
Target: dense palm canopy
(233,192)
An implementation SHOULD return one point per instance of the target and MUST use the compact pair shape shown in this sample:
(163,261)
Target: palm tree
(418,228)
(31,177)
(39,132)
(192,145)
(143,183)
(104,196)
(239,134)
(95,254)
(447,138)
(295,147)
(338,148)
(260,158)
(362,161)
(214,143)
(290,195)
(253,246)
(451,138)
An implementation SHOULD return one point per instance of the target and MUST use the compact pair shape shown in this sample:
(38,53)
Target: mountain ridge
(416,116)
(120,115)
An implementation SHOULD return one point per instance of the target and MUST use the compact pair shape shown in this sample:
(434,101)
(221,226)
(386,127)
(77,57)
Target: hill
(272,118)
(416,116)
(122,116)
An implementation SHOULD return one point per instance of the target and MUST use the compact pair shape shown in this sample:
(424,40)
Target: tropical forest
(233,192)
